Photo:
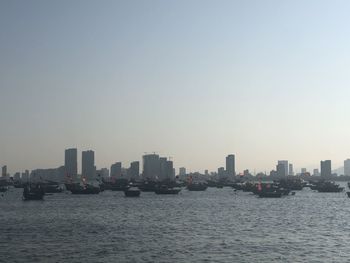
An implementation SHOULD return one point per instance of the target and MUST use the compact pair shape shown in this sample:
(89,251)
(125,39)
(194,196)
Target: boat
(33,192)
(329,187)
(165,190)
(197,187)
(268,194)
(132,192)
(85,189)
(53,187)
(3,189)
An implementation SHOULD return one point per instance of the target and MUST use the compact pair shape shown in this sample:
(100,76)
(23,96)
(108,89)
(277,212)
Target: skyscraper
(285,164)
(281,170)
(151,166)
(291,170)
(347,167)
(230,165)
(116,170)
(182,171)
(134,170)
(70,162)
(4,171)
(326,168)
(88,164)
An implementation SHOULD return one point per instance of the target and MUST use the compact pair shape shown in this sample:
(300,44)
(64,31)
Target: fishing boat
(132,192)
(85,189)
(33,192)
(165,190)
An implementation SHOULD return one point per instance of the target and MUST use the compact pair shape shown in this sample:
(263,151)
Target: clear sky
(195,80)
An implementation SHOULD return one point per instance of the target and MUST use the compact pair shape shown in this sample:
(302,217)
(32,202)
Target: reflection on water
(218,225)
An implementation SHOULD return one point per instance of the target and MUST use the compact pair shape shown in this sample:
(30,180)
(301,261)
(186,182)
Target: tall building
(347,167)
(162,168)
(303,170)
(281,170)
(116,170)
(291,170)
(71,162)
(88,165)
(285,165)
(4,171)
(169,172)
(182,171)
(326,168)
(230,165)
(221,173)
(134,171)
(316,172)
(151,166)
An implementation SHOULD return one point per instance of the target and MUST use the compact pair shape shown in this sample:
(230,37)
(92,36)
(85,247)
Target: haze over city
(194,80)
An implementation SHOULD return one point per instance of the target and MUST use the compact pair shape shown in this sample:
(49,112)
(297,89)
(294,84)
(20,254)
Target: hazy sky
(195,80)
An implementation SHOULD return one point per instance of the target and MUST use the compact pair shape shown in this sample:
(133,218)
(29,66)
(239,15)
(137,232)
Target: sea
(217,225)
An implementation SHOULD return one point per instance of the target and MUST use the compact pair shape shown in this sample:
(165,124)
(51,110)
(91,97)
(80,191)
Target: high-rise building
(162,169)
(169,171)
(182,171)
(102,173)
(291,170)
(134,171)
(326,168)
(230,165)
(116,170)
(347,167)
(221,173)
(88,164)
(4,171)
(285,164)
(316,172)
(151,166)
(303,170)
(281,170)
(71,162)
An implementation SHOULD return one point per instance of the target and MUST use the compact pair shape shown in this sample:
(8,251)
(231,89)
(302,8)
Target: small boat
(85,190)
(197,187)
(266,194)
(132,192)
(33,192)
(165,190)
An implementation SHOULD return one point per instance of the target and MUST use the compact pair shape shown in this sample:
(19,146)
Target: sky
(192,80)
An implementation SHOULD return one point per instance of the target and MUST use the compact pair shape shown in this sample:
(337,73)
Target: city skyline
(193,80)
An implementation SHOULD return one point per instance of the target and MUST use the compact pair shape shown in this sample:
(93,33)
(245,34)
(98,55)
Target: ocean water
(218,225)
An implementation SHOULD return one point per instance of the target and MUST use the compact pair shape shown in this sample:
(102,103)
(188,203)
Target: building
(182,171)
(291,170)
(303,170)
(222,173)
(281,170)
(4,171)
(285,165)
(347,167)
(230,165)
(71,162)
(163,169)
(102,173)
(151,167)
(326,168)
(134,171)
(316,172)
(116,170)
(51,174)
(88,165)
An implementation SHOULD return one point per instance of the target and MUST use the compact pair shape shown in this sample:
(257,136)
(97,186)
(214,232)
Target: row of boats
(276,189)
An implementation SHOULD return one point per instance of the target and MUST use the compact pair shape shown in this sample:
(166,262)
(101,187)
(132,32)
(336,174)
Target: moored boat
(165,190)
(197,187)
(33,192)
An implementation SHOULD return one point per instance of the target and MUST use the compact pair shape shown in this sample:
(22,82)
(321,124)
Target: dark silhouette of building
(151,166)
(281,170)
(134,170)
(116,170)
(230,165)
(71,162)
(88,164)
(326,168)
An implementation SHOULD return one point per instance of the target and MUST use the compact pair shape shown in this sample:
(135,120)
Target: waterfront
(217,225)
